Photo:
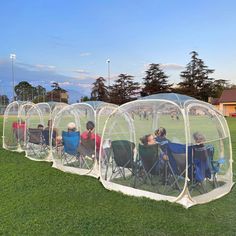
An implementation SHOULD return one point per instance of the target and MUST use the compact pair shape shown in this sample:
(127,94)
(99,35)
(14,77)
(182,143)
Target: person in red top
(90,135)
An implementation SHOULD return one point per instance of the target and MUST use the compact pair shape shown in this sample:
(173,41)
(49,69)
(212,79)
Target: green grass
(36,199)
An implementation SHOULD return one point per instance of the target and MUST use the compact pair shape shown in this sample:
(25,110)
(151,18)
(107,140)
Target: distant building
(58,95)
(227,102)
(214,102)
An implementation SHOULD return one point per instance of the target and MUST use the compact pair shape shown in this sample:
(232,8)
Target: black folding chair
(177,159)
(87,151)
(122,158)
(150,162)
(35,142)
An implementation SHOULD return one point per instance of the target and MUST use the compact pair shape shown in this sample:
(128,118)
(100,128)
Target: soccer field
(39,200)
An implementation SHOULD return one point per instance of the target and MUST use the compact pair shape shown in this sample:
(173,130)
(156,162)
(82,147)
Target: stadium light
(13,57)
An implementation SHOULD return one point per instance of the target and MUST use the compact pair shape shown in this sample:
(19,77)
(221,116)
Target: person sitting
(71,127)
(200,155)
(88,136)
(163,141)
(55,134)
(40,126)
(161,138)
(49,127)
(149,139)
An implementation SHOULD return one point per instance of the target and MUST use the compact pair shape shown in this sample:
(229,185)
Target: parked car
(233,114)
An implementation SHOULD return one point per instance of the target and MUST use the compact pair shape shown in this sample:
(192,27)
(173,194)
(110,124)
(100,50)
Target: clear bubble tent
(165,146)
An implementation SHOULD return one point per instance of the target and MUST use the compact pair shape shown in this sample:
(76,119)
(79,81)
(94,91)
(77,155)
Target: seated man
(201,158)
(71,142)
(40,126)
(47,134)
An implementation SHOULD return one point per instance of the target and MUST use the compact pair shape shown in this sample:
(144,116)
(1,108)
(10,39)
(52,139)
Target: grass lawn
(36,199)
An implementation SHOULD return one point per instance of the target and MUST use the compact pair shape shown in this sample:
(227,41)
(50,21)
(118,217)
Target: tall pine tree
(124,89)
(155,81)
(99,90)
(196,81)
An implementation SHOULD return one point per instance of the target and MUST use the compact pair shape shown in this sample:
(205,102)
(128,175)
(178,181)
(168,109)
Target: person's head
(148,139)
(71,127)
(40,126)
(161,132)
(198,137)
(90,126)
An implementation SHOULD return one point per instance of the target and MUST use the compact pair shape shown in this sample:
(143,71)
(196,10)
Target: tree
(124,89)
(25,91)
(4,100)
(196,81)
(84,99)
(155,81)
(218,86)
(99,90)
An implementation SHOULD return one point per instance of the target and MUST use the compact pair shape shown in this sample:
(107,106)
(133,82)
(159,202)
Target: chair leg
(175,183)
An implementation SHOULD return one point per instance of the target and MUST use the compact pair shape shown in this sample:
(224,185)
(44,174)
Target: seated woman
(161,138)
(90,142)
(163,141)
(149,139)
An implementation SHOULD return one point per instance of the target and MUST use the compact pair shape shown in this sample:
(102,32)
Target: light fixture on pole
(108,71)
(13,57)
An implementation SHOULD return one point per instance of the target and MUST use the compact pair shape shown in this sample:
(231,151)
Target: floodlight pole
(108,71)
(13,57)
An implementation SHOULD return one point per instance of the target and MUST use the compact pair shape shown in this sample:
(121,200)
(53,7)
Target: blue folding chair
(204,163)
(71,142)
(177,158)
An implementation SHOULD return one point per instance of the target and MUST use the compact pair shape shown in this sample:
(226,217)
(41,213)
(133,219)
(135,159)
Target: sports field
(39,200)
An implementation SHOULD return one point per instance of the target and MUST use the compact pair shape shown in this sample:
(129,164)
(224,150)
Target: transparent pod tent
(66,154)
(167,147)
(73,154)
(14,126)
(38,133)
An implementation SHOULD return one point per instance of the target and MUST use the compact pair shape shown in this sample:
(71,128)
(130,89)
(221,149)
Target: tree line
(196,81)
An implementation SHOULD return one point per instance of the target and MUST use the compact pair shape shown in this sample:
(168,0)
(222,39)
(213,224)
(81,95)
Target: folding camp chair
(150,162)
(87,152)
(71,142)
(177,157)
(204,165)
(35,142)
(122,158)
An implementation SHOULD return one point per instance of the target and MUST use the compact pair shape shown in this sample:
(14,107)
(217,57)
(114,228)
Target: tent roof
(174,97)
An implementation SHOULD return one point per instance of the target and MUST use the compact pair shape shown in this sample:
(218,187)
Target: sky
(70,41)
